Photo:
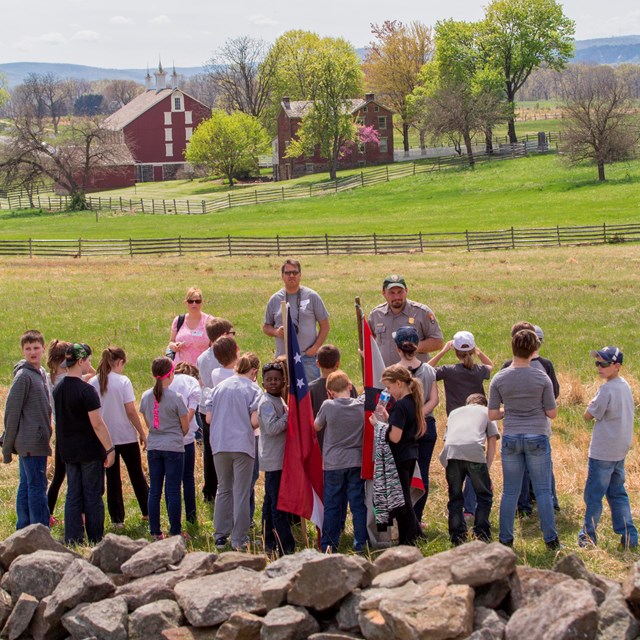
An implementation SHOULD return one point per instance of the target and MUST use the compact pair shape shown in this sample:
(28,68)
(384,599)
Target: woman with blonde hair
(118,410)
(188,331)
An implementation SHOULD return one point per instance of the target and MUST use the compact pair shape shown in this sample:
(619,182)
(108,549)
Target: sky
(134,33)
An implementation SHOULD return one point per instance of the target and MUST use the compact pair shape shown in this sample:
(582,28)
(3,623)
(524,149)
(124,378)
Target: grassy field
(583,298)
(529,192)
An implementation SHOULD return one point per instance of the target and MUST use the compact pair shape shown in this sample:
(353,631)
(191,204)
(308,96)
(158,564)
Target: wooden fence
(243,197)
(371,244)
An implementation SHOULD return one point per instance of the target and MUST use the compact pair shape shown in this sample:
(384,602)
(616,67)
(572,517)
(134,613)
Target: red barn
(367,112)
(157,126)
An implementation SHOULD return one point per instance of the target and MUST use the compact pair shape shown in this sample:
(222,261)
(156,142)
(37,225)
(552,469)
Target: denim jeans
(337,482)
(525,500)
(477,474)
(31,498)
(275,523)
(425,451)
(310,367)
(165,465)
(85,487)
(189,482)
(606,478)
(531,452)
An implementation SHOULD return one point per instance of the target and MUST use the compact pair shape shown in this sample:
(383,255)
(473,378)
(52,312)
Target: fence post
(188,207)
(153,205)
(467,236)
(180,245)
(164,205)
(558,232)
(283,193)
(513,239)
(604,232)
(120,203)
(420,237)
(79,247)
(175,209)
(130,248)
(204,207)
(30,247)
(229,201)
(278,243)
(256,196)
(229,243)
(375,244)
(142,204)
(310,189)
(326,242)
(362,178)
(387,166)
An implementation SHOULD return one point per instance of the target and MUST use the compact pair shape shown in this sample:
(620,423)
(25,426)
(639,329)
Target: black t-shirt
(76,440)
(403,416)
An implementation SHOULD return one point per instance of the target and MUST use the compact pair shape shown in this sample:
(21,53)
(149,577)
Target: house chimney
(286,102)
(369,97)
(161,77)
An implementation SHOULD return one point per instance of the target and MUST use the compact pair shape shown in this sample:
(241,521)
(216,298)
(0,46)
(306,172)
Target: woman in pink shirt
(190,340)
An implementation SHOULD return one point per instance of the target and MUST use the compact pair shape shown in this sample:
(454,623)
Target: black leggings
(210,487)
(59,473)
(405,515)
(130,453)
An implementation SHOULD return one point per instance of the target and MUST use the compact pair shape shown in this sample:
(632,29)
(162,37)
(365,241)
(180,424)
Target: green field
(529,192)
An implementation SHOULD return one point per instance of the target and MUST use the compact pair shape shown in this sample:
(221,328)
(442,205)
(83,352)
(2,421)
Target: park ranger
(398,311)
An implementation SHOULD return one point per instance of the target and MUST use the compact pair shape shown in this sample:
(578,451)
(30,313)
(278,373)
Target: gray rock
(5,607)
(113,551)
(275,590)
(487,625)
(492,595)
(288,623)
(106,620)
(373,624)
(81,582)
(631,588)
(291,563)
(528,584)
(565,612)
(197,563)
(210,600)
(347,616)
(397,557)
(324,581)
(230,560)
(615,620)
(20,617)
(37,573)
(41,629)
(333,635)
(190,633)
(35,537)
(492,562)
(241,626)
(573,566)
(155,556)
(370,570)
(148,622)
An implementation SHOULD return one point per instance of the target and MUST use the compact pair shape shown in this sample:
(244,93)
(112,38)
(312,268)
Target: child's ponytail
(415,387)
(107,361)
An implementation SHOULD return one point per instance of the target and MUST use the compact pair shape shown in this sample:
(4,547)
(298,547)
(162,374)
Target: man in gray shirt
(308,313)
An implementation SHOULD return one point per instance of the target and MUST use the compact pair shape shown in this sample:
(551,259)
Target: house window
(382,143)
(167,117)
(361,163)
(376,108)
(360,121)
(177,103)
(361,147)
(188,132)
(168,149)
(168,135)
(308,167)
(382,122)
(365,109)
(188,117)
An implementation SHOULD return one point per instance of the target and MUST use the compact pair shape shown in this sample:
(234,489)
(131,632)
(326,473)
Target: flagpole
(359,320)
(285,311)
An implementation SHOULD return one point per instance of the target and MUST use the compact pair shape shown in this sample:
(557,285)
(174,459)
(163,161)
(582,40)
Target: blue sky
(125,34)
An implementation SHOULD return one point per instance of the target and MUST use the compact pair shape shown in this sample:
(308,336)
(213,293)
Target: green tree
(392,64)
(329,124)
(518,36)
(458,95)
(228,143)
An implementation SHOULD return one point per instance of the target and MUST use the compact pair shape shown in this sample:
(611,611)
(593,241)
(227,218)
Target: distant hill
(613,50)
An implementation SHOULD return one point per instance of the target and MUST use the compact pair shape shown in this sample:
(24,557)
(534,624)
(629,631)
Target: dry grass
(582,297)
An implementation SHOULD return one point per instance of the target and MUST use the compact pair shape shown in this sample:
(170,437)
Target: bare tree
(243,74)
(601,124)
(202,87)
(85,147)
(121,92)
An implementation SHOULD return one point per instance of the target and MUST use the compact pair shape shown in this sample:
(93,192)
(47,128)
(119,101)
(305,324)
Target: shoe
(118,525)
(585,542)
(506,544)
(54,521)
(221,542)
(186,536)
(157,536)
(556,508)
(145,518)
(554,545)
(521,513)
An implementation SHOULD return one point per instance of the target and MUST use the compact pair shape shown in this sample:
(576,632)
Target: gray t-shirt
(612,408)
(526,393)
(307,309)
(233,402)
(427,376)
(343,422)
(273,432)
(468,428)
(168,436)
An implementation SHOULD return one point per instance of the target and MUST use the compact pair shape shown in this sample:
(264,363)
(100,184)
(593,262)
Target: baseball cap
(464,341)
(539,332)
(393,280)
(406,334)
(608,354)
(77,351)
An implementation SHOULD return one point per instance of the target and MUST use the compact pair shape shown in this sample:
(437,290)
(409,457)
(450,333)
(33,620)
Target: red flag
(373,368)
(301,484)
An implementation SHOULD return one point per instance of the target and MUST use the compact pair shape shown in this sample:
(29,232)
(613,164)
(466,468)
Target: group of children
(244,432)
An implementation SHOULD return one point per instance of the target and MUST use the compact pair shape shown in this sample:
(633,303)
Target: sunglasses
(272,366)
(291,273)
(194,301)
(603,365)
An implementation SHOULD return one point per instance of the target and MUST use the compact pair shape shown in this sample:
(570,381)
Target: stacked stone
(135,589)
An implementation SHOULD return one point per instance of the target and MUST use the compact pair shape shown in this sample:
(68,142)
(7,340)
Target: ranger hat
(393,280)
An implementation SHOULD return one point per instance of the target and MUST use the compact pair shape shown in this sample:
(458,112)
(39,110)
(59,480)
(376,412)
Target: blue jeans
(169,465)
(606,478)
(189,482)
(525,499)
(310,367)
(531,452)
(336,483)
(31,499)
(85,487)
(425,451)
(275,523)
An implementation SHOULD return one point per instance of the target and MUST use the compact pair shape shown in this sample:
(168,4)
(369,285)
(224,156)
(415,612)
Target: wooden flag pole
(284,311)
(359,320)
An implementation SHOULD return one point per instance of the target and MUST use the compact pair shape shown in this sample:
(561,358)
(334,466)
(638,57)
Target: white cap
(464,341)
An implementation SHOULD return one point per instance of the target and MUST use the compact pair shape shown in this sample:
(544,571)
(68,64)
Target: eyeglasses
(291,273)
(603,365)
(231,333)
(272,366)
(194,301)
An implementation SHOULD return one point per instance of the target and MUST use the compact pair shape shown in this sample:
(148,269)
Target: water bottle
(382,404)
